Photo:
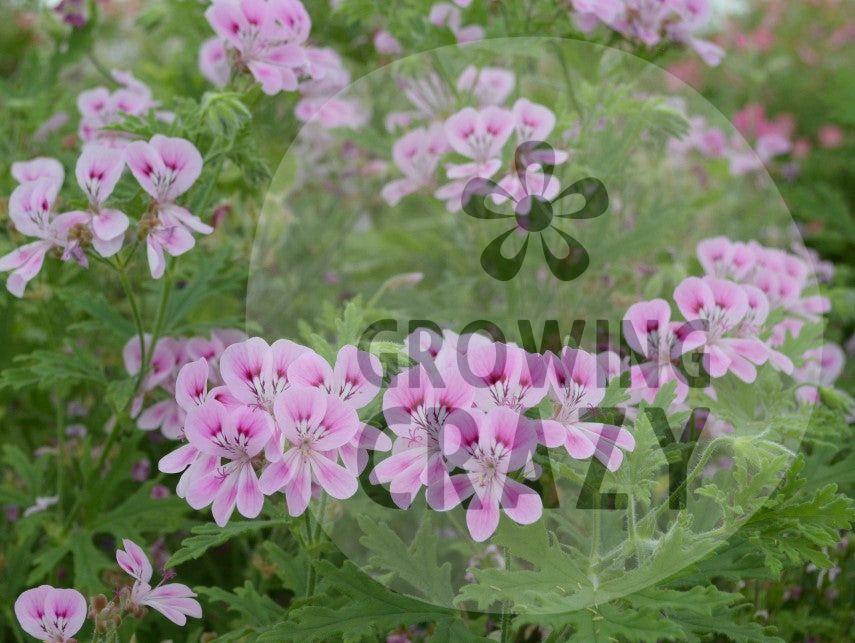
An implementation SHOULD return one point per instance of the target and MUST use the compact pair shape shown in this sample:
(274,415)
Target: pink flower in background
(480,137)
(175,601)
(488,85)
(721,257)
(649,22)
(438,352)
(576,387)
(268,38)
(355,380)
(820,367)
(417,405)
(323,101)
(314,426)
(445,14)
(385,43)
(39,168)
(51,614)
(236,434)
(721,305)
(214,62)
(417,155)
(649,331)
(166,168)
(99,108)
(98,170)
(830,136)
(753,325)
(489,446)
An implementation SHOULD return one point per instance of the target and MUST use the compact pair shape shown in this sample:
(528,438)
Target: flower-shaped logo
(535,194)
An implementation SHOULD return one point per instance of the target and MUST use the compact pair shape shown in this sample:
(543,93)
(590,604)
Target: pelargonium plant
(276,363)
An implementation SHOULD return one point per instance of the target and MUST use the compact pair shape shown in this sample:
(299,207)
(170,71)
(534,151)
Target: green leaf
(258,609)
(370,610)
(212,535)
(416,564)
(88,563)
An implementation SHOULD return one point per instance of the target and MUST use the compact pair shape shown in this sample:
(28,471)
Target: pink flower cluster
(99,108)
(471,140)
(282,404)
(164,167)
(281,418)
(165,361)
(56,615)
(766,139)
(267,38)
(651,22)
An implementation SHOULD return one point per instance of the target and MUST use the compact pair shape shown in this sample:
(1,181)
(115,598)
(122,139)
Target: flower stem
(313,536)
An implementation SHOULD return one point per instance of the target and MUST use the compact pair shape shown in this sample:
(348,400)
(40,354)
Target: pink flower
(267,36)
(577,386)
(830,136)
(821,367)
(489,446)
(255,372)
(174,600)
(355,380)
(237,434)
(488,85)
(649,331)
(721,257)
(417,405)
(314,426)
(417,155)
(479,136)
(51,614)
(721,305)
(31,210)
(98,170)
(166,168)
(99,108)
(385,43)
(214,62)
(444,14)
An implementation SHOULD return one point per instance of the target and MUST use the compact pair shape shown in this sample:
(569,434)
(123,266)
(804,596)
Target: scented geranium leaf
(698,599)
(48,369)
(727,622)
(119,393)
(46,561)
(89,561)
(141,513)
(558,573)
(31,472)
(290,567)
(454,631)
(415,563)
(370,609)
(610,622)
(261,611)
(212,535)
(99,312)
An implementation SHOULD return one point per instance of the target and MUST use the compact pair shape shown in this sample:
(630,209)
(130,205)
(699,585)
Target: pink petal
(482,518)
(145,164)
(523,505)
(299,491)
(249,497)
(98,170)
(226,498)
(340,425)
(203,489)
(249,426)
(38,168)
(693,295)
(333,478)
(300,406)
(243,366)
(578,444)
(30,611)
(191,385)
(178,460)
(449,492)
(277,474)
(204,425)
(183,161)
(68,606)
(134,561)
(643,318)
